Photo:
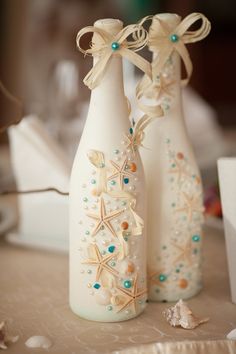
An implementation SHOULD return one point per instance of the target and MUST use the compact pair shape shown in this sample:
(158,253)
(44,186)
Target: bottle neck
(171,91)
(111,85)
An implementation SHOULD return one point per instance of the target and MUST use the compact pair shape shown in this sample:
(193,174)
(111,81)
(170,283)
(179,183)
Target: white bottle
(175,209)
(107,245)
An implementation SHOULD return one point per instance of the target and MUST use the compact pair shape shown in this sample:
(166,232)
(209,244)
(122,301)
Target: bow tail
(163,54)
(137,60)
(184,54)
(94,76)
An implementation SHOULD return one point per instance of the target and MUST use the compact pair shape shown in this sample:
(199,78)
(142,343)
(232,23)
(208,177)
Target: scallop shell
(180,315)
(103,296)
(96,158)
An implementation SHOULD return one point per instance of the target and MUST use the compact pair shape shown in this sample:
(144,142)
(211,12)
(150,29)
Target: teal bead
(113,182)
(126,180)
(162,277)
(97,286)
(174,38)
(93,181)
(127,284)
(109,308)
(131,130)
(115,46)
(111,249)
(196,238)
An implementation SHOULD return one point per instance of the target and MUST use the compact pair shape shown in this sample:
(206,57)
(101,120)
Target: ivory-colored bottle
(174,188)
(107,204)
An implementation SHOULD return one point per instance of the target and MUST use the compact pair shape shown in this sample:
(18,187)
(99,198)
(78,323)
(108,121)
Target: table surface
(34,300)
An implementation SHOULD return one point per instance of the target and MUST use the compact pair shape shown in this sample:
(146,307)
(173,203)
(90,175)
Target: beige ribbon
(103,49)
(162,43)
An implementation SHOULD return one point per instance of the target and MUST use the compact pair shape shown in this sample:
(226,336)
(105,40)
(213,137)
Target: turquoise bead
(115,46)
(97,286)
(126,180)
(127,284)
(131,130)
(162,277)
(196,238)
(111,249)
(174,38)
(113,182)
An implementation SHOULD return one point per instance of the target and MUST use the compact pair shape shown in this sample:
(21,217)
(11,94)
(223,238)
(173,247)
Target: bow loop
(167,41)
(106,45)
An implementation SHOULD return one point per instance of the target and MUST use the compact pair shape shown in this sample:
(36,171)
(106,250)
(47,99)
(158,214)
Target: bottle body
(174,190)
(107,261)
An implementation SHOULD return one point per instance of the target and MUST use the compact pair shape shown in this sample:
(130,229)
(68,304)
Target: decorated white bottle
(174,188)
(107,205)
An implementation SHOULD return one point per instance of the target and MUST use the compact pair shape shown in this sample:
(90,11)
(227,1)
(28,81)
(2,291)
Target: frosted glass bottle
(174,189)
(107,249)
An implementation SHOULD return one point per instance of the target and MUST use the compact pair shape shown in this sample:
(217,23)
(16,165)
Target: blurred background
(40,64)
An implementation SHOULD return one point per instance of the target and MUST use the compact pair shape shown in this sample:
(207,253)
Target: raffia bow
(168,41)
(104,50)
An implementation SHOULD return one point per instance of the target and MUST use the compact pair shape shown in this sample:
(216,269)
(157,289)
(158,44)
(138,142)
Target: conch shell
(180,315)
(5,338)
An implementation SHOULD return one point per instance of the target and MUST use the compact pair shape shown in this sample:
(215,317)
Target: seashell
(180,315)
(96,158)
(127,267)
(5,338)
(124,225)
(232,335)
(183,283)
(133,167)
(103,296)
(38,342)
(116,300)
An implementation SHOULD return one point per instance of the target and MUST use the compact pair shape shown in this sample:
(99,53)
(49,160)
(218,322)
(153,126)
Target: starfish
(161,87)
(153,278)
(179,169)
(101,262)
(185,252)
(131,296)
(120,172)
(192,204)
(130,142)
(103,219)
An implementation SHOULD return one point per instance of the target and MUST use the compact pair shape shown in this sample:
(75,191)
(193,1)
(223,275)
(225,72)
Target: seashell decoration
(5,338)
(180,315)
(38,342)
(127,267)
(103,296)
(232,335)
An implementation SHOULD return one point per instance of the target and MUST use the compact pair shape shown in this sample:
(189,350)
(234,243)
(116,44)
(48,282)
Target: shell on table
(5,337)
(180,315)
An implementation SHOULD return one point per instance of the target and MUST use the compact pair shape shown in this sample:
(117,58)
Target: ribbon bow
(168,41)
(108,45)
